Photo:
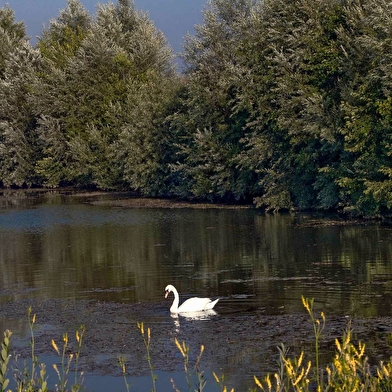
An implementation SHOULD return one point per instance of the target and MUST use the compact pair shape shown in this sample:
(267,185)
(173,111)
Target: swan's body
(194,304)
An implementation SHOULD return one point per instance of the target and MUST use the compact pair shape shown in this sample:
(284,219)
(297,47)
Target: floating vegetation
(350,369)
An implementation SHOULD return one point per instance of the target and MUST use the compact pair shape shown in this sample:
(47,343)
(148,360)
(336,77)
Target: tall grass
(147,343)
(4,358)
(66,361)
(28,378)
(33,377)
(189,373)
(349,371)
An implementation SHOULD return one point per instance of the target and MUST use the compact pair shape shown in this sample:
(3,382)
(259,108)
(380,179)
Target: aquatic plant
(66,360)
(185,350)
(147,344)
(27,379)
(4,359)
(79,339)
(121,361)
(221,382)
(34,378)
(350,370)
(318,327)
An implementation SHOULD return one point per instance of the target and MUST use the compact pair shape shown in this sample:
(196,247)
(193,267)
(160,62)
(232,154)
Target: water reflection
(77,250)
(191,316)
(200,315)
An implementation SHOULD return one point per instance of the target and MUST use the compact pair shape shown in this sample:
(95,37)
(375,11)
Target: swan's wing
(211,304)
(196,304)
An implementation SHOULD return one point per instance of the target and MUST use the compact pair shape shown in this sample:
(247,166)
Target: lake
(89,258)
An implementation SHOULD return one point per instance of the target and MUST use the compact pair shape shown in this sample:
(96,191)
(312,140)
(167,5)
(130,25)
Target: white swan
(194,304)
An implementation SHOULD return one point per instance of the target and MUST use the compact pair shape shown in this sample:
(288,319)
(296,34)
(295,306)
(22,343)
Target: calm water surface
(60,247)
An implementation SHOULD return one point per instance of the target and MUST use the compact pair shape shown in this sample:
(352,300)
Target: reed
(221,382)
(28,378)
(350,370)
(66,362)
(4,358)
(189,373)
(147,343)
(318,327)
(79,335)
(122,362)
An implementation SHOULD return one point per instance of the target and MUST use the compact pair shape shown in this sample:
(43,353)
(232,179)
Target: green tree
(19,148)
(143,148)
(264,145)
(12,35)
(213,126)
(61,40)
(308,71)
(292,92)
(91,95)
(56,99)
(365,174)
(147,144)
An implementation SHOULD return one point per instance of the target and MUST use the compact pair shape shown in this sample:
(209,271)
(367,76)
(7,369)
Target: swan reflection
(190,316)
(199,315)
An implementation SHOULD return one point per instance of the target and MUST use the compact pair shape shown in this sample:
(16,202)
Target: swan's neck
(174,307)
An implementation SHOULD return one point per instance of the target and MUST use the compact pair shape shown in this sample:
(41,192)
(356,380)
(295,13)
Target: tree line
(281,104)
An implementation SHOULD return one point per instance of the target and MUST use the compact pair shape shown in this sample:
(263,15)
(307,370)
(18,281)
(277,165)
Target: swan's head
(169,288)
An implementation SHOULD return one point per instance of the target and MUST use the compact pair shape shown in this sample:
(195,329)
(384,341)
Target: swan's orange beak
(166,293)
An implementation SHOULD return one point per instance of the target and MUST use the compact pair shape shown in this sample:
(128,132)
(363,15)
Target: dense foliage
(284,104)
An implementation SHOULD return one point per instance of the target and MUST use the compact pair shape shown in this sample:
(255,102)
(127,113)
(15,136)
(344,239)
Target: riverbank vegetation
(285,105)
(350,369)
